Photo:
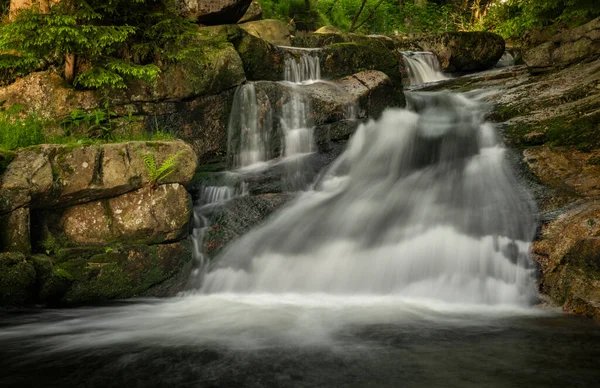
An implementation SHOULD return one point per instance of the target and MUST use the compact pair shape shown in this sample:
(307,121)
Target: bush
(18,131)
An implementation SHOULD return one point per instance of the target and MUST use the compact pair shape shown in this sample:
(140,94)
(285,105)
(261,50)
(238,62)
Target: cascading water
(250,124)
(296,115)
(420,205)
(507,59)
(422,67)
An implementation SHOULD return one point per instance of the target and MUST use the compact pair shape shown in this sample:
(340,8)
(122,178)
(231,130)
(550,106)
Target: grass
(20,131)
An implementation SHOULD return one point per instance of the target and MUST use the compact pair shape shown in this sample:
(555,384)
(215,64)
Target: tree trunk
(45,6)
(70,67)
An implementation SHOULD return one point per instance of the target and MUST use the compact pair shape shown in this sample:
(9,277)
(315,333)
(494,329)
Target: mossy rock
(261,59)
(122,272)
(343,59)
(17,278)
(52,283)
(5,158)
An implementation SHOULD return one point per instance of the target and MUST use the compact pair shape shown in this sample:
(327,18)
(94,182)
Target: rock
(578,44)
(342,59)
(48,95)
(17,277)
(270,30)
(322,39)
(218,67)
(5,158)
(464,51)
(213,12)
(145,216)
(328,30)
(253,13)
(202,123)
(123,272)
(261,59)
(14,231)
(569,255)
(51,175)
(237,217)
(534,138)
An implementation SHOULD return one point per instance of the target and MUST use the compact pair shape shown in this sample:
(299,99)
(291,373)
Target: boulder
(213,12)
(50,175)
(273,31)
(569,255)
(322,39)
(328,30)
(145,216)
(578,44)
(261,59)
(464,51)
(253,13)
(342,59)
(122,272)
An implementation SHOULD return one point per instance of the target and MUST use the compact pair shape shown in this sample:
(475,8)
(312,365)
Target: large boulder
(253,13)
(342,59)
(578,44)
(213,12)
(569,255)
(271,30)
(261,59)
(464,51)
(145,216)
(50,175)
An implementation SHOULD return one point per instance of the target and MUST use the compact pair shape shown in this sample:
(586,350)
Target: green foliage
(18,130)
(113,41)
(97,124)
(158,173)
(389,17)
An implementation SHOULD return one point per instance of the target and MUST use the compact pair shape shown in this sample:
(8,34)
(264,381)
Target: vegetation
(510,18)
(158,173)
(17,131)
(98,43)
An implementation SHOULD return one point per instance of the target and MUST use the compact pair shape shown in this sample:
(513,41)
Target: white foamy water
(421,205)
(249,128)
(422,67)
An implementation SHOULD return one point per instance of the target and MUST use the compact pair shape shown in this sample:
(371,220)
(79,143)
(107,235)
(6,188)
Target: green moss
(105,282)
(17,278)
(582,132)
(5,158)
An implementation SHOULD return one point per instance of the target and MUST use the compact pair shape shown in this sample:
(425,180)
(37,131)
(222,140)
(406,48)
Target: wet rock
(273,31)
(212,12)
(238,216)
(145,216)
(464,51)
(578,44)
(253,13)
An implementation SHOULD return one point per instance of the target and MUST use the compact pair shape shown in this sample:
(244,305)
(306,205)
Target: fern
(157,174)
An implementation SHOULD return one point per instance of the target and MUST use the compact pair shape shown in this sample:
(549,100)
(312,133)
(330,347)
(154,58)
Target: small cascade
(422,67)
(305,68)
(208,198)
(250,125)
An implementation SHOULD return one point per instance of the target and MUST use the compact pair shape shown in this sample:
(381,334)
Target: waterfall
(304,68)
(208,198)
(250,125)
(421,204)
(422,67)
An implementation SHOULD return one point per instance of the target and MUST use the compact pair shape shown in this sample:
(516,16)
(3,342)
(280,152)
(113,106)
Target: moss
(582,132)
(105,282)
(5,158)
(17,278)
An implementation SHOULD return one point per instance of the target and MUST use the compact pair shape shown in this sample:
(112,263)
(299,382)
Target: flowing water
(422,67)
(405,265)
